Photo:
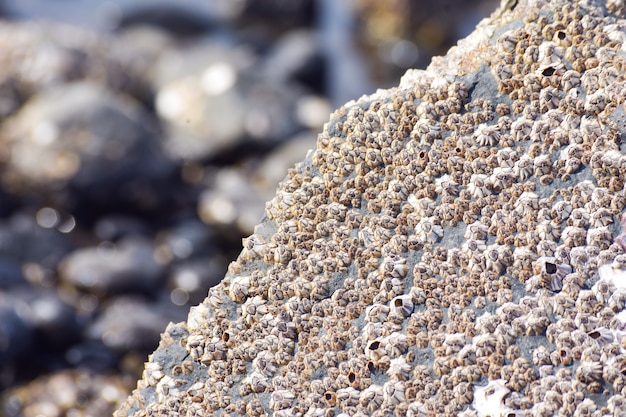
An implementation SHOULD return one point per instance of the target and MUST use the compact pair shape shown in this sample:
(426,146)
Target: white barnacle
(238,289)
(253,247)
(253,309)
(599,236)
(395,344)
(489,400)
(376,313)
(614,274)
(507,41)
(375,349)
(454,343)
(197,317)
(497,258)
(394,266)
(476,231)
(570,80)
(281,399)
(213,350)
(215,297)
(548,230)
(399,370)
(523,168)
(348,397)
(393,392)
(542,165)
(166,387)
(596,102)
(366,235)
(502,177)
(256,381)
(556,271)
(424,207)
(549,98)
(474,248)
(527,203)
(479,185)
(445,184)
(601,217)
(402,305)
(153,373)
(428,230)
(372,397)
(521,129)
(486,135)
(561,210)
(195,346)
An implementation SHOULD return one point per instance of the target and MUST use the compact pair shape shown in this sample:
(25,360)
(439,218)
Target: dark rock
(190,280)
(128,266)
(114,328)
(16,335)
(53,321)
(84,146)
(10,273)
(24,241)
(115,227)
(296,57)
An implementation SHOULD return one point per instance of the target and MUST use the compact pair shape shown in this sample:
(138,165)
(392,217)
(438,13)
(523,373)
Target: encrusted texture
(452,246)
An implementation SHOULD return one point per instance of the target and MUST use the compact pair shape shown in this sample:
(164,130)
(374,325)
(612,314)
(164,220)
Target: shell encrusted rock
(453,246)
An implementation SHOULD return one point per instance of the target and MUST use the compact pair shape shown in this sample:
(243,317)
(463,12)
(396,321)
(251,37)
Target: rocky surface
(453,246)
(133,159)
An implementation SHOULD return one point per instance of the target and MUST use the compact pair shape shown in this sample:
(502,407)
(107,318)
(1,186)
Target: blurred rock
(116,330)
(16,335)
(273,168)
(296,57)
(232,201)
(35,56)
(24,241)
(188,238)
(115,227)
(10,274)
(282,14)
(126,267)
(178,19)
(80,144)
(190,281)
(53,321)
(76,393)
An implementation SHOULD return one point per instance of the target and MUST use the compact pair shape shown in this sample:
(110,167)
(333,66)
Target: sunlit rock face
(451,247)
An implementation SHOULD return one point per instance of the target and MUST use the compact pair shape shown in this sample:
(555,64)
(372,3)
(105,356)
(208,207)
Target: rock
(35,56)
(66,392)
(24,241)
(15,332)
(297,57)
(53,321)
(97,146)
(189,280)
(120,334)
(450,247)
(10,274)
(116,227)
(126,267)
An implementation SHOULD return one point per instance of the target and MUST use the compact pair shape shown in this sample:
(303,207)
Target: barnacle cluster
(448,249)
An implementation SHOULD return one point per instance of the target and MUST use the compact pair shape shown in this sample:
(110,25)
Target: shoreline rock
(439,252)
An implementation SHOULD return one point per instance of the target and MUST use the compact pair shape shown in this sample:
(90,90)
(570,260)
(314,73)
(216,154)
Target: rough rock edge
(467,63)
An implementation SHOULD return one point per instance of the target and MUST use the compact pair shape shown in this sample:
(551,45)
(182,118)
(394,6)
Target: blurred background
(139,141)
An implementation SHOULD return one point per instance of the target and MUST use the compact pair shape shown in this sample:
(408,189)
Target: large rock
(452,246)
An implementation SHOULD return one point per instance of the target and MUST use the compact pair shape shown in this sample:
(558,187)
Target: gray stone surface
(451,247)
